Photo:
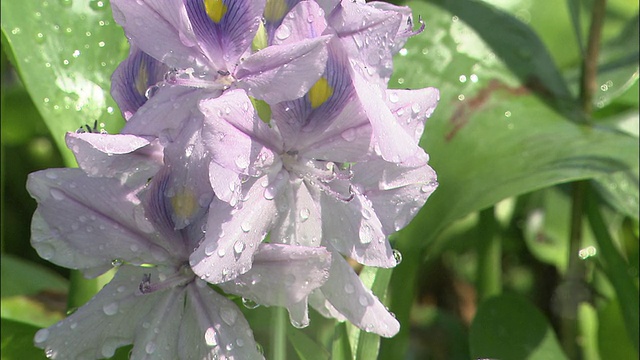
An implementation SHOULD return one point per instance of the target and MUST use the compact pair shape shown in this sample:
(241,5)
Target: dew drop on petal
(222,252)
(57,194)
(41,336)
(299,325)
(349,288)
(116,262)
(269,193)
(209,249)
(304,214)
(110,309)
(46,251)
(210,337)
(349,134)
(363,300)
(150,348)
(238,247)
(245,226)
(283,32)
(397,256)
(249,304)
(393,97)
(228,315)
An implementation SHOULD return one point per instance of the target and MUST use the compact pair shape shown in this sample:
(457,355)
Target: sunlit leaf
(17,341)
(305,347)
(65,52)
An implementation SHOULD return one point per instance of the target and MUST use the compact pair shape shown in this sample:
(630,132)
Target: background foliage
(489,270)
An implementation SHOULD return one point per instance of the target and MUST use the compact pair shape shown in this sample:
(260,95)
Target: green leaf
(17,341)
(518,46)
(341,350)
(509,327)
(611,322)
(305,347)
(65,52)
(20,277)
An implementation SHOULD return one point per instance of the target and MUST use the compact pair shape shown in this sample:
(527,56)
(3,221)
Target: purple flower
(154,301)
(207,46)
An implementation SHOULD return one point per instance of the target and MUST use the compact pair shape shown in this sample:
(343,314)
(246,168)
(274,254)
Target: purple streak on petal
(130,158)
(301,124)
(346,293)
(132,78)
(283,275)
(304,21)
(214,328)
(87,222)
(233,235)
(235,137)
(113,318)
(161,29)
(225,42)
(292,69)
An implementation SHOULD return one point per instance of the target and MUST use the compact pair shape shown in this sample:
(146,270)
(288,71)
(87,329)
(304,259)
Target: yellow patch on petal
(142,78)
(215,9)
(184,203)
(275,10)
(319,92)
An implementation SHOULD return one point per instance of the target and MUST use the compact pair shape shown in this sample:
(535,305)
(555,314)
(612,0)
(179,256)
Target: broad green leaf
(17,341)
(340,348)
(518,46)
(65,52)
(489,139)
(611,326)
(509,327)
(305,347)
(20,277)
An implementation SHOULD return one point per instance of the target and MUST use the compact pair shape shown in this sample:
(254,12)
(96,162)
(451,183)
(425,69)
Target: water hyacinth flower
(155,301)
(207,46)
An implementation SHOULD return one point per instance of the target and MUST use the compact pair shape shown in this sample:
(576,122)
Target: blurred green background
(486,270)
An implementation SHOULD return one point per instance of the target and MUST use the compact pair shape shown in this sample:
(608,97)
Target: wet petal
(87,222)
(128,157)
(347,295)
(224,28)
(233,235)
(283,275)
(118,315)
(299,221)
(234,135)
(214,328)
(292,69)
(354,229)
(305,21)
(412,108)
(396,192)
(161,29)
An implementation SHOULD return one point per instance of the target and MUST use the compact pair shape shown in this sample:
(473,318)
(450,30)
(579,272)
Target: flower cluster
(262,149)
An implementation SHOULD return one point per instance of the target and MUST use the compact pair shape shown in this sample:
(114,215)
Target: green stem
(279,333)
(489,280)
(80,290)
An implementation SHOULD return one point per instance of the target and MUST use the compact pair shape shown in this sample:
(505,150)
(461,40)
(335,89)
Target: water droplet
(57,194)
(283,32)
(238,247)
(349,134)
(228,315)
(210,337)
(16,31)
(366,214)
(249,304)
(66,3)
(416,108)
(150,348)
(269,193)
(299,325)
(229,347)
(110,309)
(349,288)
(393,97)
(222,252)
(363,300)
(46,251)
(116,262)
(209,249)
(304,214)
(97,5)
(41,336)
(397,256)
(245,226)
(49,353)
